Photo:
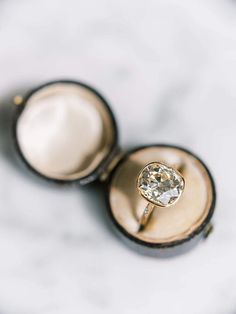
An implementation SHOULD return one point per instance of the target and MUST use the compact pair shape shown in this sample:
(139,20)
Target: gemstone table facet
(160,184)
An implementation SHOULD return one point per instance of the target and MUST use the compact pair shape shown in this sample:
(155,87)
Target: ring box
(65,132)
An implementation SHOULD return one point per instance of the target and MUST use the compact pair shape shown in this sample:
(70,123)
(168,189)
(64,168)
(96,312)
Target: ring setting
(161,186)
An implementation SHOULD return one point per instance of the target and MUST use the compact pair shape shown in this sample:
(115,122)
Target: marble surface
(168,70)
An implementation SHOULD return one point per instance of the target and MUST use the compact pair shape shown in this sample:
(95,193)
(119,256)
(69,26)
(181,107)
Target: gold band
(146,216)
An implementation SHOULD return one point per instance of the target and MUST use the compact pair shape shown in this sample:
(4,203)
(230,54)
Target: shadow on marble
(96,199)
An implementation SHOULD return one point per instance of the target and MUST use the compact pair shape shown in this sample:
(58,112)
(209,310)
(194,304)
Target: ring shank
(146,216)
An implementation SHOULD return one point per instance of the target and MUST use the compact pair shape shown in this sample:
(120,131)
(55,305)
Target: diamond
(160,184)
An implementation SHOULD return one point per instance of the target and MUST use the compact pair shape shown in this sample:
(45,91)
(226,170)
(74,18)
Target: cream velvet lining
(64,131)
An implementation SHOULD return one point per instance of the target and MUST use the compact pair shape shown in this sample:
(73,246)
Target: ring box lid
(65,131)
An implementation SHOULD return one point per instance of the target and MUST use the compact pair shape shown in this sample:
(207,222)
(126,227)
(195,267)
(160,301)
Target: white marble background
(168,68)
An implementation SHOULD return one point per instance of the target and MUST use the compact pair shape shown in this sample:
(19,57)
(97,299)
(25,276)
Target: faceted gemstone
(160,184)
